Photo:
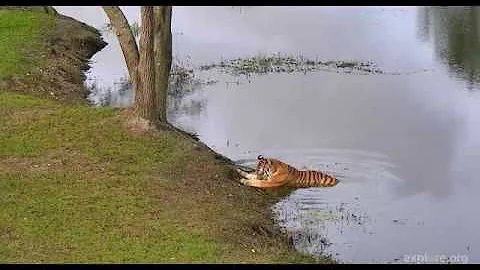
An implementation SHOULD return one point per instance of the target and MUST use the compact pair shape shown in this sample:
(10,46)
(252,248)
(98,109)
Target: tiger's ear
(260,157)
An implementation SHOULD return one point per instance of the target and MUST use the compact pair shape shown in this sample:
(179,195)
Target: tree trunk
(163,57)
(145,101)
(141,65)
(126,40)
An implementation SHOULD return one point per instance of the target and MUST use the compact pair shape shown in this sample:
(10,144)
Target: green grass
(20,30)
(96,211)
(77,186)
(64,217)
(94,206)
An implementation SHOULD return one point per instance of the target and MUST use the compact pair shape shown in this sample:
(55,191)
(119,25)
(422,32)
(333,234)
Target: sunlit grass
(75,186)
(67,217)
(20,30)
(84,196)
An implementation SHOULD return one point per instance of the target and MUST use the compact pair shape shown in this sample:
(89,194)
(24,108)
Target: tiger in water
(274,173)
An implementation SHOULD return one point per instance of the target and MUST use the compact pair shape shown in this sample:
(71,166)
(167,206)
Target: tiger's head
(263,168)
(266,167)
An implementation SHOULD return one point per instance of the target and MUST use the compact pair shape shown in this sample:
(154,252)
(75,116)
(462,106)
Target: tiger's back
(310,178)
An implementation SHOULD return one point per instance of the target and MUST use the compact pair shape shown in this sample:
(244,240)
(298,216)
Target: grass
(65,217)
(77,186)
(19,30)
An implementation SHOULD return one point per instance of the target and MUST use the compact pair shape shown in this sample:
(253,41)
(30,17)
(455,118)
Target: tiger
(272,172)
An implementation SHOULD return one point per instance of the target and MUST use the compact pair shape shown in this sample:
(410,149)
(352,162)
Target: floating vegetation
(183,79)
(278,63)
(287,64)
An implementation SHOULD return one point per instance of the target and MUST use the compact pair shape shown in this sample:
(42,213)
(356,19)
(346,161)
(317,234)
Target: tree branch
(125,38)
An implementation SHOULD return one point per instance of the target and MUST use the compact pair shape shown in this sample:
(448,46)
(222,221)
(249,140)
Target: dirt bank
(61,74)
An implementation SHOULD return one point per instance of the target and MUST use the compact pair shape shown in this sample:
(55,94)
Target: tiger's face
(264,168)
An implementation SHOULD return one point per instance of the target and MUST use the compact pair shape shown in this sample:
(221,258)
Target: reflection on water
(120,95)
(406,147)
(455,32)
(182,83)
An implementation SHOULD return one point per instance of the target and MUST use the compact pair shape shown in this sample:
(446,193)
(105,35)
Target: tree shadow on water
(455,35)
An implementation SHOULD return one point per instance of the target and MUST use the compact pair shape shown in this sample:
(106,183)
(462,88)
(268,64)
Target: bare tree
(149,67)
(149,70)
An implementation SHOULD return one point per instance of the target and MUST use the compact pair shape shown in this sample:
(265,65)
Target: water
(406,147)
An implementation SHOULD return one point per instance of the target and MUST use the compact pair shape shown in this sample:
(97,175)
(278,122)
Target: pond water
(406,147)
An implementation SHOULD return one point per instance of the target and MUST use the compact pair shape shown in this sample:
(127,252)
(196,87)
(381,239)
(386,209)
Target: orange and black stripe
(311,178)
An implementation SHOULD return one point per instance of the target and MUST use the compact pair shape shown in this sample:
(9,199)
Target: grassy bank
(76,186)
(19,30)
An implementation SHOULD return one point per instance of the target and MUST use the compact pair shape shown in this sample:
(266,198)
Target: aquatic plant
(278,63)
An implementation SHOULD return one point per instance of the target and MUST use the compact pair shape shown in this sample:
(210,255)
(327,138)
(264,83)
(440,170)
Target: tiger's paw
(246,175)
(244,181)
